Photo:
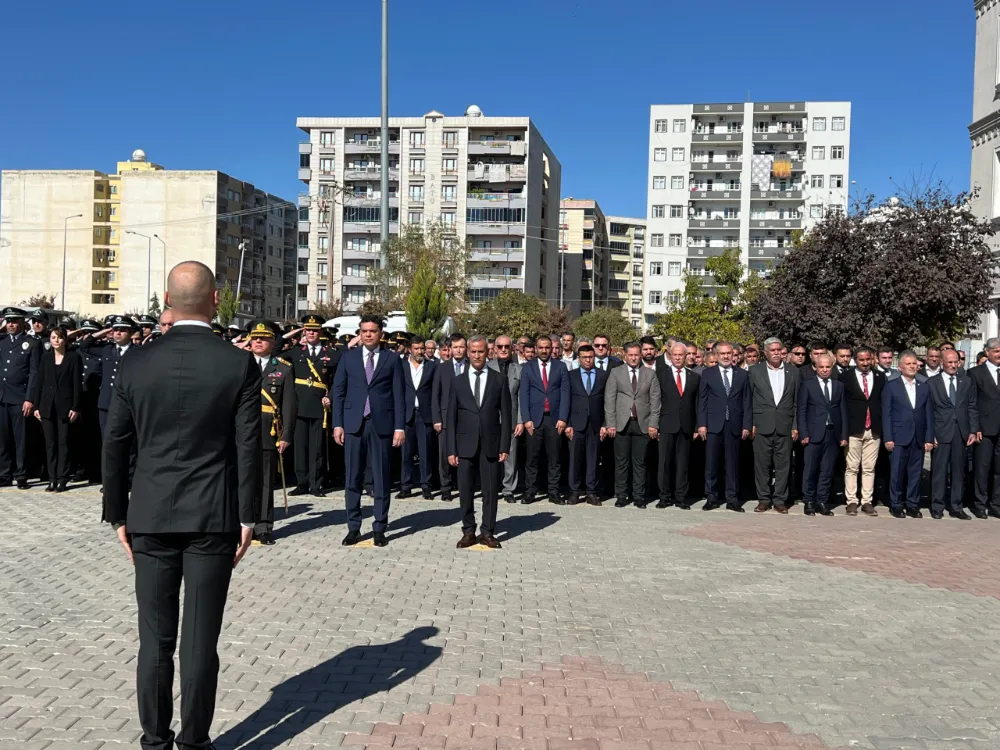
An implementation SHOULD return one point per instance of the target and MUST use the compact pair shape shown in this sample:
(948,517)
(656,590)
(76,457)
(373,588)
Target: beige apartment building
(626,279)
(583,262)
(102,243)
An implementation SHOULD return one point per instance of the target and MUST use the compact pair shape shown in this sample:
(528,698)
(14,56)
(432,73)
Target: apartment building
(492,180)
(583,255)
(985,135)
(109,239)
(745,175)
(626,254)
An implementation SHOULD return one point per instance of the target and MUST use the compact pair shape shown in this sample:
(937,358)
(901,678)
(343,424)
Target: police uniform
(34,441)
(86,435)
(314,368)
(19,358)
(278,407)
(146,322)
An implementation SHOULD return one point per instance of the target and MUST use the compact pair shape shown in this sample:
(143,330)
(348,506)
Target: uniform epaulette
(284,361)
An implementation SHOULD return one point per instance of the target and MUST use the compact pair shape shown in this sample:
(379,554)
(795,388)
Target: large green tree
(154,305)
(514,313)
(229,305)
(426,304)
(606,321)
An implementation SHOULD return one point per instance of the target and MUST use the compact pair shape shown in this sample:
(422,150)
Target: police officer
(19,357)
(39,325)
(278,404)
(314,365)
(34,441)
(147,324)
(87,431)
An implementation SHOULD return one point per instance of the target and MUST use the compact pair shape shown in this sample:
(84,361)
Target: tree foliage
(154,306)
(697,316)
(375,306)
(229,305)
(41,301)
(426,303)
(331,309)
(902,273)
(514,313)
(606,321)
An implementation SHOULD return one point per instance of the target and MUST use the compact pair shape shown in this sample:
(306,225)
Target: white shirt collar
(200,323)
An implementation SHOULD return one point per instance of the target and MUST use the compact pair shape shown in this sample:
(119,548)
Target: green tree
(426,304)
(697,316)
(41,301)
(514,313)
(229,305)
(154,305)
(605,321)
(331,309)
(375,306)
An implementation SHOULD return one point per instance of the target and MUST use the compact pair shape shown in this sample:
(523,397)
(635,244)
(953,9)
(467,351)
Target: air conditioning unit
(770,204)
(770,234)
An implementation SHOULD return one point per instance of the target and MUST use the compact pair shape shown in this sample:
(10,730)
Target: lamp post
(149,263)
(164,298)
(62,299)
(239,277)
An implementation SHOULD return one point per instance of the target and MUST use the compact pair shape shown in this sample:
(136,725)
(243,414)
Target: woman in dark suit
(58,395)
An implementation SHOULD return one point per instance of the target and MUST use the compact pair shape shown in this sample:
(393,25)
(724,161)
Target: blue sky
(212,85)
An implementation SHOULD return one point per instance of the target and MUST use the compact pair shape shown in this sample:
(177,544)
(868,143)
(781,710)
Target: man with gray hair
(506,364)
(774,387)
(908,431)
(985,379)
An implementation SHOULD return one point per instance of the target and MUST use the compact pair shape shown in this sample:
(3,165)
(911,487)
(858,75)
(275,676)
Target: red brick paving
(960,556)
(583,704)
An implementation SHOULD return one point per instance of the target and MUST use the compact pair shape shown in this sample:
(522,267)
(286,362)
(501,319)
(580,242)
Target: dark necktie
(590,376)
(635,389)
(369,374)
(952,391)
(725,384)
(545,383)
(475,391)
(826,395)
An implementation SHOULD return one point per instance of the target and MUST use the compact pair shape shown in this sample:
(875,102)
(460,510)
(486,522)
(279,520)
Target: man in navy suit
(418,378)
(586,424)
(908,431)
(725,417)
(368,416)
(822,422)
(956,422)
(544,405)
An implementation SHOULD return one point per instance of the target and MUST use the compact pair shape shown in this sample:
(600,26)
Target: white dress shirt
(416,373)
(571,363)
(602,364)
(863,378)
(930,373)
(262,362)
(684,377)
(471,372)
(365,353)
(911,390)
(776,376)
(992,368)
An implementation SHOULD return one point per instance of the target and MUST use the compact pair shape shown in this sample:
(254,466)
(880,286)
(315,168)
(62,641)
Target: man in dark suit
(774,387)
(506,364)
(544,405)
(986,458)
(19,358)
(368,418)
(585,429)
(863,386)
(192,513)
(822,422)
(440,398)
(956,422)
(725,417)
(932,363)
(678,415)
(418,381)
(908,429)
(479,433)
(604,361)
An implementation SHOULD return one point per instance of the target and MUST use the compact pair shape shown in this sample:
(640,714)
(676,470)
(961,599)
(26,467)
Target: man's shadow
(509,527)
(310,697)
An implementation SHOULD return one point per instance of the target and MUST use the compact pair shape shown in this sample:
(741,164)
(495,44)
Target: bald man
(167,318)
(192,403)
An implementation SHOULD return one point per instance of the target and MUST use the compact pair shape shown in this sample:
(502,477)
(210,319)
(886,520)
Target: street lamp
(149,262)
(160,239)
(62,299)
(239,277)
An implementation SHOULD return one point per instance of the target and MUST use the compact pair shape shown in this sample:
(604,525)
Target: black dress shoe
(621,503)
(509,499)
(809,510)
(594,500)
(5,482)
(683,506)
(664,503)
(642,505)
(50,487)
(914,513)
(266,539)
(22,484)
(468,539)
(960,514)
(447,496)
(317,493)
(404,494)
(556,500)
(380,540)
(735,508)
(352,538)
(299,491)
(528,498)
(822,510)
(573,499)
(897,513)
(937,515)
(711,506)
(427,494)
(61,486)
(991,513)
(980,514)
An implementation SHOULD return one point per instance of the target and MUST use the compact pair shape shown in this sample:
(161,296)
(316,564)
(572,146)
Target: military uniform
(87,431)
(19,358)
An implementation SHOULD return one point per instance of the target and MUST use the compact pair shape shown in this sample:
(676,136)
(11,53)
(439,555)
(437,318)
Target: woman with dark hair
(58,397)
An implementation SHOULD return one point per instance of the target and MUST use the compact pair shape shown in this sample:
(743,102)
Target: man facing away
(192,405)
(985,377)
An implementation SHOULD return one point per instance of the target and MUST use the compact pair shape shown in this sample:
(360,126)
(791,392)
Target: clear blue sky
(207,85)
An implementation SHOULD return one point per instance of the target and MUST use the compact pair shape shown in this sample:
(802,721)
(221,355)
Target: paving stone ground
(594,628)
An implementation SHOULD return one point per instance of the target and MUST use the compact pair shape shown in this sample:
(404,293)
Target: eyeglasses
(798,354)
(600,346)
(502,346)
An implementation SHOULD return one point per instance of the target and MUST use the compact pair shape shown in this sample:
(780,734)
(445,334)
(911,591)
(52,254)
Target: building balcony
(776,224)
(303,278)
(303,251)
(767,253)
(780,136)
(775,108)
(305,147)
(371,146)
(713,223)
(302,305)
(371,252)
(496,200)
(496,255)
(304,200)
(369,227)
(368,173)
(370,201)
(720,137)
(509,173)
(716,166)
(304,226)
(500,228)
(496,281)
(707,251)
(305,174)
(733,195)
(776,195)
(495,148)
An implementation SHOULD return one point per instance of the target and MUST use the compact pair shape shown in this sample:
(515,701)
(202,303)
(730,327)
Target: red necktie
(545,384)
(680,386)
(868,412)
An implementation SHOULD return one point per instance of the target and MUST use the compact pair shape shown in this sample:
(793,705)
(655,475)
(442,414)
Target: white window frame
(680,126)
(676,212)
(677,153)
(816,181)
(659,211)
(656,240)
(659,182)
(660,126)
(836,182)
(818,153)
(655,297)
(675,240)
(819,124)
(837,152)
(655,268)
(838,124)
(677,182)
(659,154)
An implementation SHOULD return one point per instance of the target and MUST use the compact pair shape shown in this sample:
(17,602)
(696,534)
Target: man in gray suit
(632,412)
(774,386)
(506,364)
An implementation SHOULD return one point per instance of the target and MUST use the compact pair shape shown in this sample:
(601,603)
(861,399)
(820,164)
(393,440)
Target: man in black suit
(191,516)
(822,421)
(585,429)
(774,389)
(418,380)
(987,453)
(956,422)
(19,358)
(440,398)
(863,386)
(479,432)
(678,414)
(604,361)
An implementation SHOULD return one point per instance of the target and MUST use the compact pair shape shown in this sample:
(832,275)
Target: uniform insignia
(274,389)
(25,346)
(47,346)
(284,361)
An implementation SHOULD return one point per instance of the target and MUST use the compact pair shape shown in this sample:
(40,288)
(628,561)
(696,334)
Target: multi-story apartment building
(583,255)
(492,180)
(746,175)
(109,240)
(985,134)
(627,255)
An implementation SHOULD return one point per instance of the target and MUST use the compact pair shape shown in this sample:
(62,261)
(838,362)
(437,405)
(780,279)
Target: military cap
(345,337)
(146,321)
(67,322)
(312,322)
(262,329)
(39,316)
(122,322)
(218,329)
(108,320)
(13,313)
(89,325)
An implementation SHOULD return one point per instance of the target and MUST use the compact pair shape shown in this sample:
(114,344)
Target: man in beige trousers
(863,386)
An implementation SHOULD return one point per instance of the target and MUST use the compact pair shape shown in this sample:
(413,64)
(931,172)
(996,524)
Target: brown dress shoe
(869,510)
(781,509)
(762,507)
(490,541)
(467,540)
(852,509)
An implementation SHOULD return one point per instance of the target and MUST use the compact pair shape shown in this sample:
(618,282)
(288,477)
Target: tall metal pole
(160,240)
(384,211)
(239,277)
(149,271)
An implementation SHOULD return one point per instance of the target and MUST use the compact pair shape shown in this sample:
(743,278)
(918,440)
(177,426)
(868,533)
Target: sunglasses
(502,346)
(600,346)
(798,354)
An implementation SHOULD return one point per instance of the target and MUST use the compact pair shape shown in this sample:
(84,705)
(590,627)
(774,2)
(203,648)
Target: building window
(674,268)
(415,217)
(675,240)
(416,166)
(449,166)
(656,240)
(659,212)
(659,182)
(356,296)
(815,211)
(113,234)
(327,137)
(449,192)
(836,152)
(114,211)
(324,244)
(99,212)
(326,166)
(677,154)
(656,268)
(114,189)
(660,126)
(819,152)
(659,154)
(449,139)
(448,218)
(819,124)
(321,269)
(680,126)
(838,123)
(816,181)
(836,181)
(677,182)
(655,298)
(417,138)
(416,193)
(677,212)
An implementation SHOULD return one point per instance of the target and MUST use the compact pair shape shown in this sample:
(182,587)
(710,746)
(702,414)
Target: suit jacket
(858,405)
(58,390)
(422,394)
(192,405)
(612,363)
(486,426)
(618,398)
(384,394)
(678,413)
(712,401)
(902,423)
(987,399)
(891,373)
(533,395)
(586,411)
(514,382)
(768,417)
(441,391)
(954,421)
(814,411)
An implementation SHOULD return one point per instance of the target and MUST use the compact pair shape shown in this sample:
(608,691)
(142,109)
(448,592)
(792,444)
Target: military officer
(314,365)
(38,325)
(278,404)
(19,357)
(147,324)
